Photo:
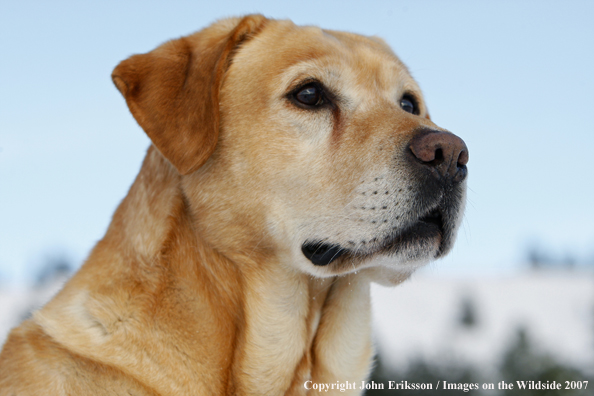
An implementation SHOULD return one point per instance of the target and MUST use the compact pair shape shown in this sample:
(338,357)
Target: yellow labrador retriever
(289,167)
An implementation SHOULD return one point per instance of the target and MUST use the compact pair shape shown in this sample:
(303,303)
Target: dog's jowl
(290,167)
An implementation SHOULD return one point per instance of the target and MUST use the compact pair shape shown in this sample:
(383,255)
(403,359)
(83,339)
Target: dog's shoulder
(34,364)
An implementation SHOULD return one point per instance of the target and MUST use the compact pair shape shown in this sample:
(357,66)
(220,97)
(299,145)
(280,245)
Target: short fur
(200,285)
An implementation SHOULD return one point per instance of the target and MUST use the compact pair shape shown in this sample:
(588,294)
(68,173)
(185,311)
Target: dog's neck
(262,324)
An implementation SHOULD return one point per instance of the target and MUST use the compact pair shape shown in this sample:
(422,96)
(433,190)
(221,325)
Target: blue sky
(513,79)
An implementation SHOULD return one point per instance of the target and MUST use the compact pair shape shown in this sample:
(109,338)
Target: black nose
(442,152)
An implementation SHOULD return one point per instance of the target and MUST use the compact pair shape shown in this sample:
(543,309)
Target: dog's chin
(426,239)
(388,266)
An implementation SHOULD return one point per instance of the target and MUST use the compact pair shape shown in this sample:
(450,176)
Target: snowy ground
(422,317)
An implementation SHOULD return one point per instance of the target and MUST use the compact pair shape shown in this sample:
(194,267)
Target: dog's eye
(310,95)
(408,104)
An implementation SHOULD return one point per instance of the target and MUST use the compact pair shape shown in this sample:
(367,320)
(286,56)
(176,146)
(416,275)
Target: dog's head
(310,146)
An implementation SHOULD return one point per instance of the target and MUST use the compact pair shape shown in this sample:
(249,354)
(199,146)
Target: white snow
(421,318)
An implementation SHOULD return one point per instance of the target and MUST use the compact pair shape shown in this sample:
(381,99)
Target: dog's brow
(307,73)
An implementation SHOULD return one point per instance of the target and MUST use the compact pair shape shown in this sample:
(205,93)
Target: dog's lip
(430,225)
(435,217)
(320,253)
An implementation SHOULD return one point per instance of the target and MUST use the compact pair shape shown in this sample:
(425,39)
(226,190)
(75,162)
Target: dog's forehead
(284,52)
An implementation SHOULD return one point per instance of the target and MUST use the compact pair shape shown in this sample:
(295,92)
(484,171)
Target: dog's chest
(320,333)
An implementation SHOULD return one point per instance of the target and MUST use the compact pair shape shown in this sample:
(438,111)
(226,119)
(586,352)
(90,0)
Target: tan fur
(199,286)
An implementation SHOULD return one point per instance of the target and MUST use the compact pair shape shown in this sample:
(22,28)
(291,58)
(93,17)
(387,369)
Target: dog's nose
(443,152)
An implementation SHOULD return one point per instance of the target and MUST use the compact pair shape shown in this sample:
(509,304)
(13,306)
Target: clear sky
(514,79)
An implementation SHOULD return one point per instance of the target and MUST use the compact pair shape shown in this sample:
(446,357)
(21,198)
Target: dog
(290,167)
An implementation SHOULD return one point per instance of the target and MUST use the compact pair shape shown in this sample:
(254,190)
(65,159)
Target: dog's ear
(173,91)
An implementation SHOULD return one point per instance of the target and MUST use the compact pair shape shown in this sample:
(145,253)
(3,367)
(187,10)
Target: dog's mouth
(428,227)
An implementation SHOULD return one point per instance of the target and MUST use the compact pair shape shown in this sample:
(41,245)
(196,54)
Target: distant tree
(468,313)
(522,363)
(55,267)
(538,258)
